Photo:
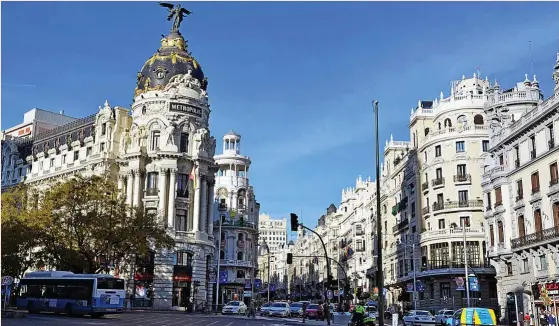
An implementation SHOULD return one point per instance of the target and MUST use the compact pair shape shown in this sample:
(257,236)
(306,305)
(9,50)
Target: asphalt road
(160,319)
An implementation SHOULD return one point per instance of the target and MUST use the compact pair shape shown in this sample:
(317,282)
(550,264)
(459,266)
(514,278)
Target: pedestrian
(395,315)
(543,318)
(527,319)
(551,319)
(326,311)
(304,311)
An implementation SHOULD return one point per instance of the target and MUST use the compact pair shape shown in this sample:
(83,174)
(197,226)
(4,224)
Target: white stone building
(17,140)
(162,154)
(521,193)
(237,216)
(273,232)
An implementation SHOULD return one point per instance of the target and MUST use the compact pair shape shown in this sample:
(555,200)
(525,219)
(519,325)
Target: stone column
(137,176)
(120,183)
(172,194)
(204,204)
(162,182)
(210,204)
(196,199)
(129,187)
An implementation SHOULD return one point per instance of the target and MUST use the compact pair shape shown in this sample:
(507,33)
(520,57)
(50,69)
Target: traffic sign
(7,280)
(329,294)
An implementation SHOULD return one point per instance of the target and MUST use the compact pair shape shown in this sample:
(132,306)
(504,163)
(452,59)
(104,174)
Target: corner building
(432,200)
(161,152)
(521,194)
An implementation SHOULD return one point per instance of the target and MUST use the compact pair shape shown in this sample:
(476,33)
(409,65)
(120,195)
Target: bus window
(110,284)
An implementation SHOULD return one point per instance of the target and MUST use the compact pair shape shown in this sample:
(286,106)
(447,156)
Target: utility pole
(217,271)
(380,272)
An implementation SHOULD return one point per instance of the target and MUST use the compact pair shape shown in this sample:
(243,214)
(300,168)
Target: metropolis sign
(184,108)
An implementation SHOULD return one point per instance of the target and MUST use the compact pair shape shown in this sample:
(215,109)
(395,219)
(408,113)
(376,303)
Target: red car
(314,311)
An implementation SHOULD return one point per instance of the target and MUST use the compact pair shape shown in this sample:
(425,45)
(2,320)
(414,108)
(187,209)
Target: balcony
(447,264)
(451,233)
(152,192)
(400,225)
(439,182)
(237,223)
(237,263)
(457,204)
(537,238)
(182,193)
(424,186)
(460,178)
(425,210)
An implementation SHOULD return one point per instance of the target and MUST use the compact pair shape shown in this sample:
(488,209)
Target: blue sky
(296,79)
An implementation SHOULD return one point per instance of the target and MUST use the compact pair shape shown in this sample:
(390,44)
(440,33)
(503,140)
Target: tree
(83,223)
(19,234)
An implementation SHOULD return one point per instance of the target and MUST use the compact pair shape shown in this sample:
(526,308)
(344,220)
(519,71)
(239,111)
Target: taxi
(472,316)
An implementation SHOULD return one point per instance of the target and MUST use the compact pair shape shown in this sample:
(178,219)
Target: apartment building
(521,194)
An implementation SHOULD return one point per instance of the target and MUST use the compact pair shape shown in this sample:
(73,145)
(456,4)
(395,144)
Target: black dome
(171,59)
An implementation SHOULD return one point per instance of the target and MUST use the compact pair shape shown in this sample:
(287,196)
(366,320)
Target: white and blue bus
(72,294)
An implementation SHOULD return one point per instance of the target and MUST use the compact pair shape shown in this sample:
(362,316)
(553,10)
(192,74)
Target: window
(103,129)
(525,265)
(182,185)
(550,136)
(439,173)
(88,151)
(441,224)
(240,255)
(538,221)
(516,156)
(155,135)
(465,221)
(478,119)
(41,165)
(485,145)
(240,273)
(533,146)
(76,155)
(425,156)
(51,162)
(438,151)
(488,201)
(463,198)
(460,146)
(543,263)
(498,197)
(64,159)
(447,122)
(554,176)
(535,182)
(521,226)
(491,236)
(152,180)
(461,174)
(102,147)
(440,255)
(519,190)
(184,258)
(184,142)
(555,212)
(500,230)
(509,268)
(501,160)
(180,221)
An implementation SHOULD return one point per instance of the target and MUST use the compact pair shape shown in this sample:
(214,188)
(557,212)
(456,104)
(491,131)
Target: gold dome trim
(174,57)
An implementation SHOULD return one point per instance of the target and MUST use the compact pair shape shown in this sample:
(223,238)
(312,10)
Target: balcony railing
(152,192)
(238,223)
(535,238)
(425,210)
(462,178)
(400,225)
(437,182)
(457,204)
(424,186)
(182,193)
(447,263)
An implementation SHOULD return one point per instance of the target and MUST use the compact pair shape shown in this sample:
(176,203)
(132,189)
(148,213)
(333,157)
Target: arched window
(521,227)
(478,119)
(240,237)
(426,131)
(240,273)
(240,255)
(440,126)
(447,123)
(222,254)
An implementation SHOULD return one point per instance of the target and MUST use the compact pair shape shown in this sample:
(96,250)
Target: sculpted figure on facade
(185,80)
(143,135)
(211,147)
(556,73)
(125,142)
(201,139)
(169,134)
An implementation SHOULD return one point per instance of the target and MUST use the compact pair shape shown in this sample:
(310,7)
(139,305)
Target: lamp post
(218,256)
(380,271)
(414,272)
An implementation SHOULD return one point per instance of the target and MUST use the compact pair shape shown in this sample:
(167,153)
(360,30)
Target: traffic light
(289,258)
(294,222)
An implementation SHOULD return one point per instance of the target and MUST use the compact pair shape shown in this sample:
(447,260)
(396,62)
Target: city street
(161,319)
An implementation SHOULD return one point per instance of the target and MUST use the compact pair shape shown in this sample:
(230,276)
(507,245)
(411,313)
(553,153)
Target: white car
(418,317)
(280,309)
(234,307)
(442,315)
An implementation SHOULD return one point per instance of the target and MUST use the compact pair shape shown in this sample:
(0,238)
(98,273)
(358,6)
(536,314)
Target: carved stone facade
(521,193)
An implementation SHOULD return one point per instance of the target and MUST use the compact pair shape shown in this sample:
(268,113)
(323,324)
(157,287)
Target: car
(442,315)
(314,311)
(371,311)
(417,317)
(280,309)
(234,307)
(484,316)
(265,308)
(296,309)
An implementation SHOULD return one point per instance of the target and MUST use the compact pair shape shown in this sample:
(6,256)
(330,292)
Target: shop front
(182,286)
(143,281)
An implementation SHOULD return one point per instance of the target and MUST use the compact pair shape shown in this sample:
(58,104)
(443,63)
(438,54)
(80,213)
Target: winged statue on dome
(177,12)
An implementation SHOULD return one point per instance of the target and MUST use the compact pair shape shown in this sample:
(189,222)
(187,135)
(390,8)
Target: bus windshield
(110,284)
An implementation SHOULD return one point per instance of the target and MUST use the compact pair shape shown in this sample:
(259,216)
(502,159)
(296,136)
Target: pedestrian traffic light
(289,258)
(294,222)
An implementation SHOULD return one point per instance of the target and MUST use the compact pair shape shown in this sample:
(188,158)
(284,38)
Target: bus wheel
(68,310)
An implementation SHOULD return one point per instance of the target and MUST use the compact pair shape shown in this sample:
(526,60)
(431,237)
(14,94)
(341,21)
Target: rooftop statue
(177,12)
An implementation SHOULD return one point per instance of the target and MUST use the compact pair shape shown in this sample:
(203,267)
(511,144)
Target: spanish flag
(193,176)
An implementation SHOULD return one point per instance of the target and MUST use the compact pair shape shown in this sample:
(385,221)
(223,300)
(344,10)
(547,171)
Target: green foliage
(82,222)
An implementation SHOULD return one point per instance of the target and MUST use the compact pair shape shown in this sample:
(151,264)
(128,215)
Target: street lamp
(380,271)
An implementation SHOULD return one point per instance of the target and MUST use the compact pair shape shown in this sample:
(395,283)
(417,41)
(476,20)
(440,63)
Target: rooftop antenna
(531,62)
